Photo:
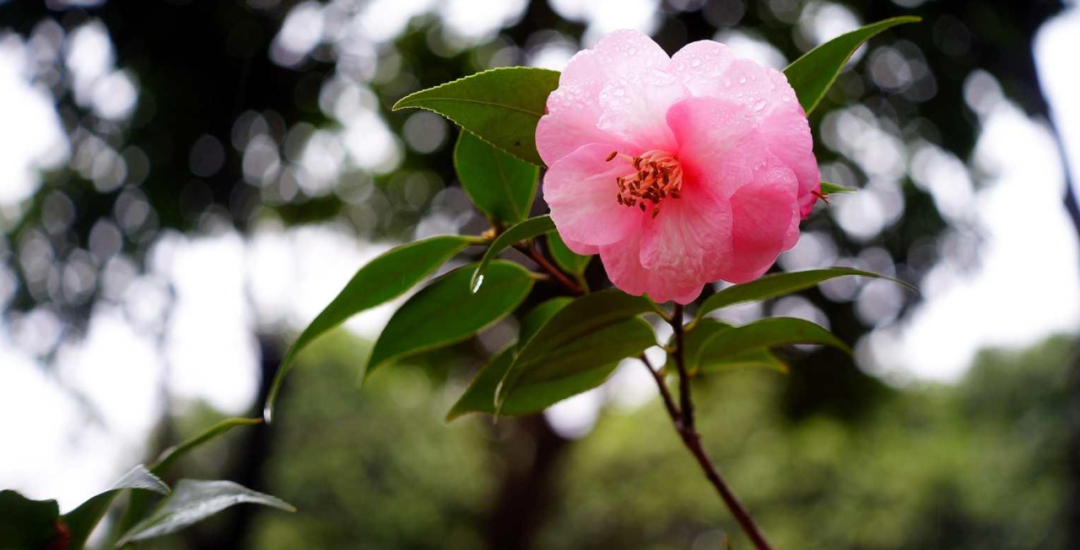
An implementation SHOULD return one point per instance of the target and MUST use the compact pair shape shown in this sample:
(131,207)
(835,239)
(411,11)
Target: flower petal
(787,133)
(711,69)
(581,191)
(580,248)
(709,131)
(762,218)
(689,243)
(626,272)
(573,110)
(635,108)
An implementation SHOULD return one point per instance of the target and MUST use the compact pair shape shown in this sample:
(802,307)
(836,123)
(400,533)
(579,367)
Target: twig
(684,425)
(544,264)
(672,410)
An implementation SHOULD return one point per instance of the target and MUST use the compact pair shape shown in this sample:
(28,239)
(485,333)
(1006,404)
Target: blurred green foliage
(981,464)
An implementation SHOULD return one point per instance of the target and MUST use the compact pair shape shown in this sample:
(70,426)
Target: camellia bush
(678,172)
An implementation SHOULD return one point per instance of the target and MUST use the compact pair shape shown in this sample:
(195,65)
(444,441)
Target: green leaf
(539,316)
(525,230)
(140,502)
(781,284)
(381,280)
(565,258)
(26,523)
(758,358)
(82,520)
(831,188)
(593,331)
(766,333)
(530,395)
(500,185)
(704,331)
(480,396)
(194,501)
(815,72)
(501,106)
(447,312)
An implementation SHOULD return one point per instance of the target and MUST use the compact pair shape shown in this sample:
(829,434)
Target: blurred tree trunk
(527,490)
(247,466)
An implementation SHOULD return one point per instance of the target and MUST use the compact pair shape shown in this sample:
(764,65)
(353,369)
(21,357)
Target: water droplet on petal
(760,105)
(695,62)
(742,80)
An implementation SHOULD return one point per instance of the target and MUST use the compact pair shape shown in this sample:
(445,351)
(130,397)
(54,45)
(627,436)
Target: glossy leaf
(499,184)
(170,455)
(832,189)
(705,331)
(525,230)
(815,72)
(500,106)
(27,523)
(447,312)
(590,332)
(381,280)
(781,284)
(82,520)
(529,396)
(763,334)
(140,502)
(539,316)
(194,501)
(480,396)
(565,258)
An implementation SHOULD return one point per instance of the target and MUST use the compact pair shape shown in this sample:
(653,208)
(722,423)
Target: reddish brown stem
(551,269)
(684,425)
(672,410)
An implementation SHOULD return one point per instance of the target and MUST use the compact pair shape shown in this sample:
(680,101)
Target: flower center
(658,177)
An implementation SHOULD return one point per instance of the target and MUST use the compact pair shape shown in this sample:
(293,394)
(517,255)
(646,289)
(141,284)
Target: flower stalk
(683,419)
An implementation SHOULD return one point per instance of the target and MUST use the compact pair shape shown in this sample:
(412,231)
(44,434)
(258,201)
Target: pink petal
(581,191)
(626,272)
(709,132)
(582,248)
(763,213)
(688,244)
(635,108)
(573,110)
(701,66)
(788,135)
(711,69)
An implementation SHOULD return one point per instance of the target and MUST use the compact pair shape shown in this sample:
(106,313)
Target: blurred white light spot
(114,95)
(300,33)
(752,47)
(31,138)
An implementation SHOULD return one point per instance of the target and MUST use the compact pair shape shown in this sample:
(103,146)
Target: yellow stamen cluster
(658,177)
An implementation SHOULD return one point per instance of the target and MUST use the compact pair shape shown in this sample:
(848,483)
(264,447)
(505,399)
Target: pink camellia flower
(679,171)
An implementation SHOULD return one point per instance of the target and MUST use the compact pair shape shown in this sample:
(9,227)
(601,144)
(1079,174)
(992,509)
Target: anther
(612,156)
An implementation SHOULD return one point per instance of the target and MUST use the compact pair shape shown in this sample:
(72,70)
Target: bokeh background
(184,184)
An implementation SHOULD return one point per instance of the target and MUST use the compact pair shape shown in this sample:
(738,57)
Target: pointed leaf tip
(814,73)
(500,106)
(379,281)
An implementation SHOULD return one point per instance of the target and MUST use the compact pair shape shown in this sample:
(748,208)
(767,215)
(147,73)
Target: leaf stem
(529,250)
(684,425)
